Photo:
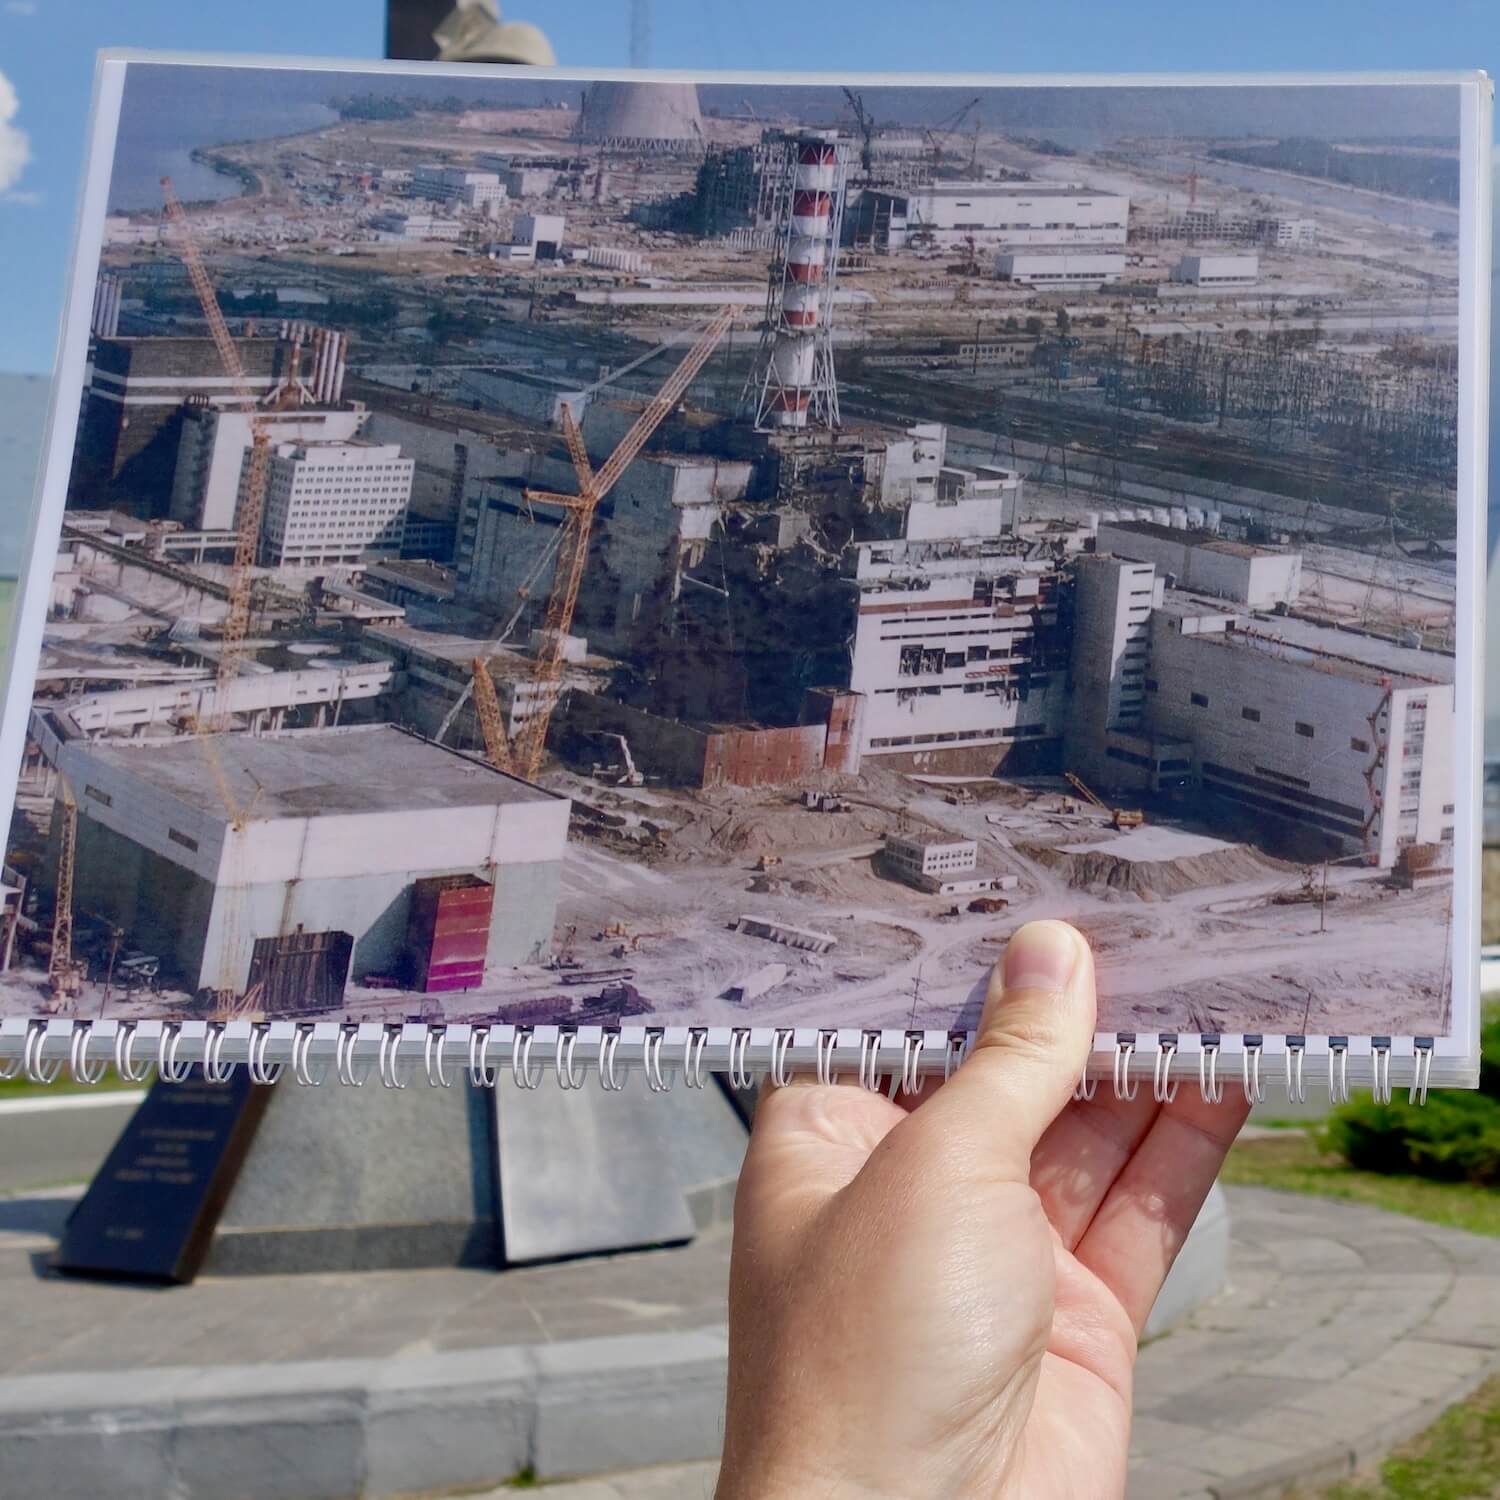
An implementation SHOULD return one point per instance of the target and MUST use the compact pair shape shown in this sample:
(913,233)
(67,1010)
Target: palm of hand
(946,1301)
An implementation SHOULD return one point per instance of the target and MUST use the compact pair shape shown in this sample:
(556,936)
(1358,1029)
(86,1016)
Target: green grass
(1297,1165)
(20,1088)
(1457,1458)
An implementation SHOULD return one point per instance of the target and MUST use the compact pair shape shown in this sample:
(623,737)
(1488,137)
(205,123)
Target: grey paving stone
(308,1449)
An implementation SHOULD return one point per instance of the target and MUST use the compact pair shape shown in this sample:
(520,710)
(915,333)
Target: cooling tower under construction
(656,117)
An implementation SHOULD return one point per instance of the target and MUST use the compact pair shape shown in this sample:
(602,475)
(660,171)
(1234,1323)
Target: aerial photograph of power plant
(566,552)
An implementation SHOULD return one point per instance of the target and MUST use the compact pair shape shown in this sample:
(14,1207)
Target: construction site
(693,556)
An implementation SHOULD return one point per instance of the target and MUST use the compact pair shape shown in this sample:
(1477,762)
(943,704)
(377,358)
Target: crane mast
(578,526)
(257,471)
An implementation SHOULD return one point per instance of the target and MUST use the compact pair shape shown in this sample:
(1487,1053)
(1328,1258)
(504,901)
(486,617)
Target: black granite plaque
(150,1212)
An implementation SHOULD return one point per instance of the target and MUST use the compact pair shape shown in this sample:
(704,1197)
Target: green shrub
(1454,1137)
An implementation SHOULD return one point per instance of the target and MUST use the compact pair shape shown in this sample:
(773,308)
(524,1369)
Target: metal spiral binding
(520,1059)
(781,1044)
(656,1081)
(390,1045)
(609,1079)
(1125,1086)
(1250,1057)
(568,1077)
(79,1067)
(1380,1063)
(1421,1071)
(168,1069)
(433,1043)
(215,1069)
(740,1077)
(912,1079)
(827,1041)
(954,1053)
(1338,1070)
(125,1064)
(481,1075)
(1296,1053)
(692,1057)
(35,1069)
(343,1058)
(352,1052)
(255,1062)
(1210,1085)
(1163,1087)
(302,1039)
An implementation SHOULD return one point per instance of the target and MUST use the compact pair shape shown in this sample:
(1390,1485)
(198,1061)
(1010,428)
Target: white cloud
(15,146)
(21,7)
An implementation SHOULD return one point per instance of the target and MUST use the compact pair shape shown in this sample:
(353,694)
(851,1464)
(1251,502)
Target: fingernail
(1040,956)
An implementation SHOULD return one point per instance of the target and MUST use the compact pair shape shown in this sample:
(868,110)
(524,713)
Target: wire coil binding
(896,1063)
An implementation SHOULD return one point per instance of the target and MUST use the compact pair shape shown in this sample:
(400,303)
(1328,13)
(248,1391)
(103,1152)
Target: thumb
(1033,1041)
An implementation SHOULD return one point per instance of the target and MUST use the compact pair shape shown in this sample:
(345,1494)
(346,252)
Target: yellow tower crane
(524,757)
(237,619)
(64,975)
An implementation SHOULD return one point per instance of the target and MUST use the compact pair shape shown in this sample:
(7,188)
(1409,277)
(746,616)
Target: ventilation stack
(793,383)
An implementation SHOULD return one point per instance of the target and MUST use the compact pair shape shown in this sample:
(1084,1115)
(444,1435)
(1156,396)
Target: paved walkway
(1343,1331)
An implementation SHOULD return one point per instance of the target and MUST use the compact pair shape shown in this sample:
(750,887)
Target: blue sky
(47,47)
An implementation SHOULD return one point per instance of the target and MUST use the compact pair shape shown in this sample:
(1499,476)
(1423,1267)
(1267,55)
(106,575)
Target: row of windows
(896,741)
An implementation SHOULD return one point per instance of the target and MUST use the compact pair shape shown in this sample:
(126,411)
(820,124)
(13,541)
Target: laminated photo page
(617,569)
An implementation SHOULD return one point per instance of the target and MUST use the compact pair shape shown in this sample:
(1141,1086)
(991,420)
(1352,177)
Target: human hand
(944,1299)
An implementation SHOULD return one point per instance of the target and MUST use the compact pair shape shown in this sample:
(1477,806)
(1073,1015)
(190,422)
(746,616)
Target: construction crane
(865,124)
(491,724)
(578,525)
(64,975)
(1120,817)
(940,134)
(252,504)
(237,618)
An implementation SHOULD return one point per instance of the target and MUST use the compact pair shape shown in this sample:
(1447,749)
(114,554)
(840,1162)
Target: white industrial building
(455,186)
(1341,740)
(1038,268)
(928,863)
(978,502)
(211,455)
(1217,270)
(312,881)
(1010,215)
(333,502)
(398,226)
(1261,577)
(957,647)
(1326,730)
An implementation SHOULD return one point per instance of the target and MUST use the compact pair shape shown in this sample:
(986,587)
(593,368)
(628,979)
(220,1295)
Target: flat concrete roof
(1342,653)
(311,772)
(1193,537)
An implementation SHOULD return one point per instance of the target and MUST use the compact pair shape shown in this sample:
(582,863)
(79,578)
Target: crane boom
(253,498)
(578,526)
(63,974)
(491,724)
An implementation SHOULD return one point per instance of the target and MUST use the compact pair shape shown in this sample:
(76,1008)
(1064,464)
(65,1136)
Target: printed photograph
(577,552)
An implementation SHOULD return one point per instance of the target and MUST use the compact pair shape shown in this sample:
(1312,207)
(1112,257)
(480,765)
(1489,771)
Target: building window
(1447,834)
(1199,700)
(1253,714)
(98,796)
(183,839)
(1305,730)
(1151,686)
(1447,809)
(1363,746)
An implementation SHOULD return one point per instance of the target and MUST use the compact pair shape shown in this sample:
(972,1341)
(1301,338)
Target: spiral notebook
(563,573)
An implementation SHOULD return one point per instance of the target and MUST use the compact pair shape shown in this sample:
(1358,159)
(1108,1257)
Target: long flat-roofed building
(994,215)
(313,879)
(335,502)
(1207,563)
